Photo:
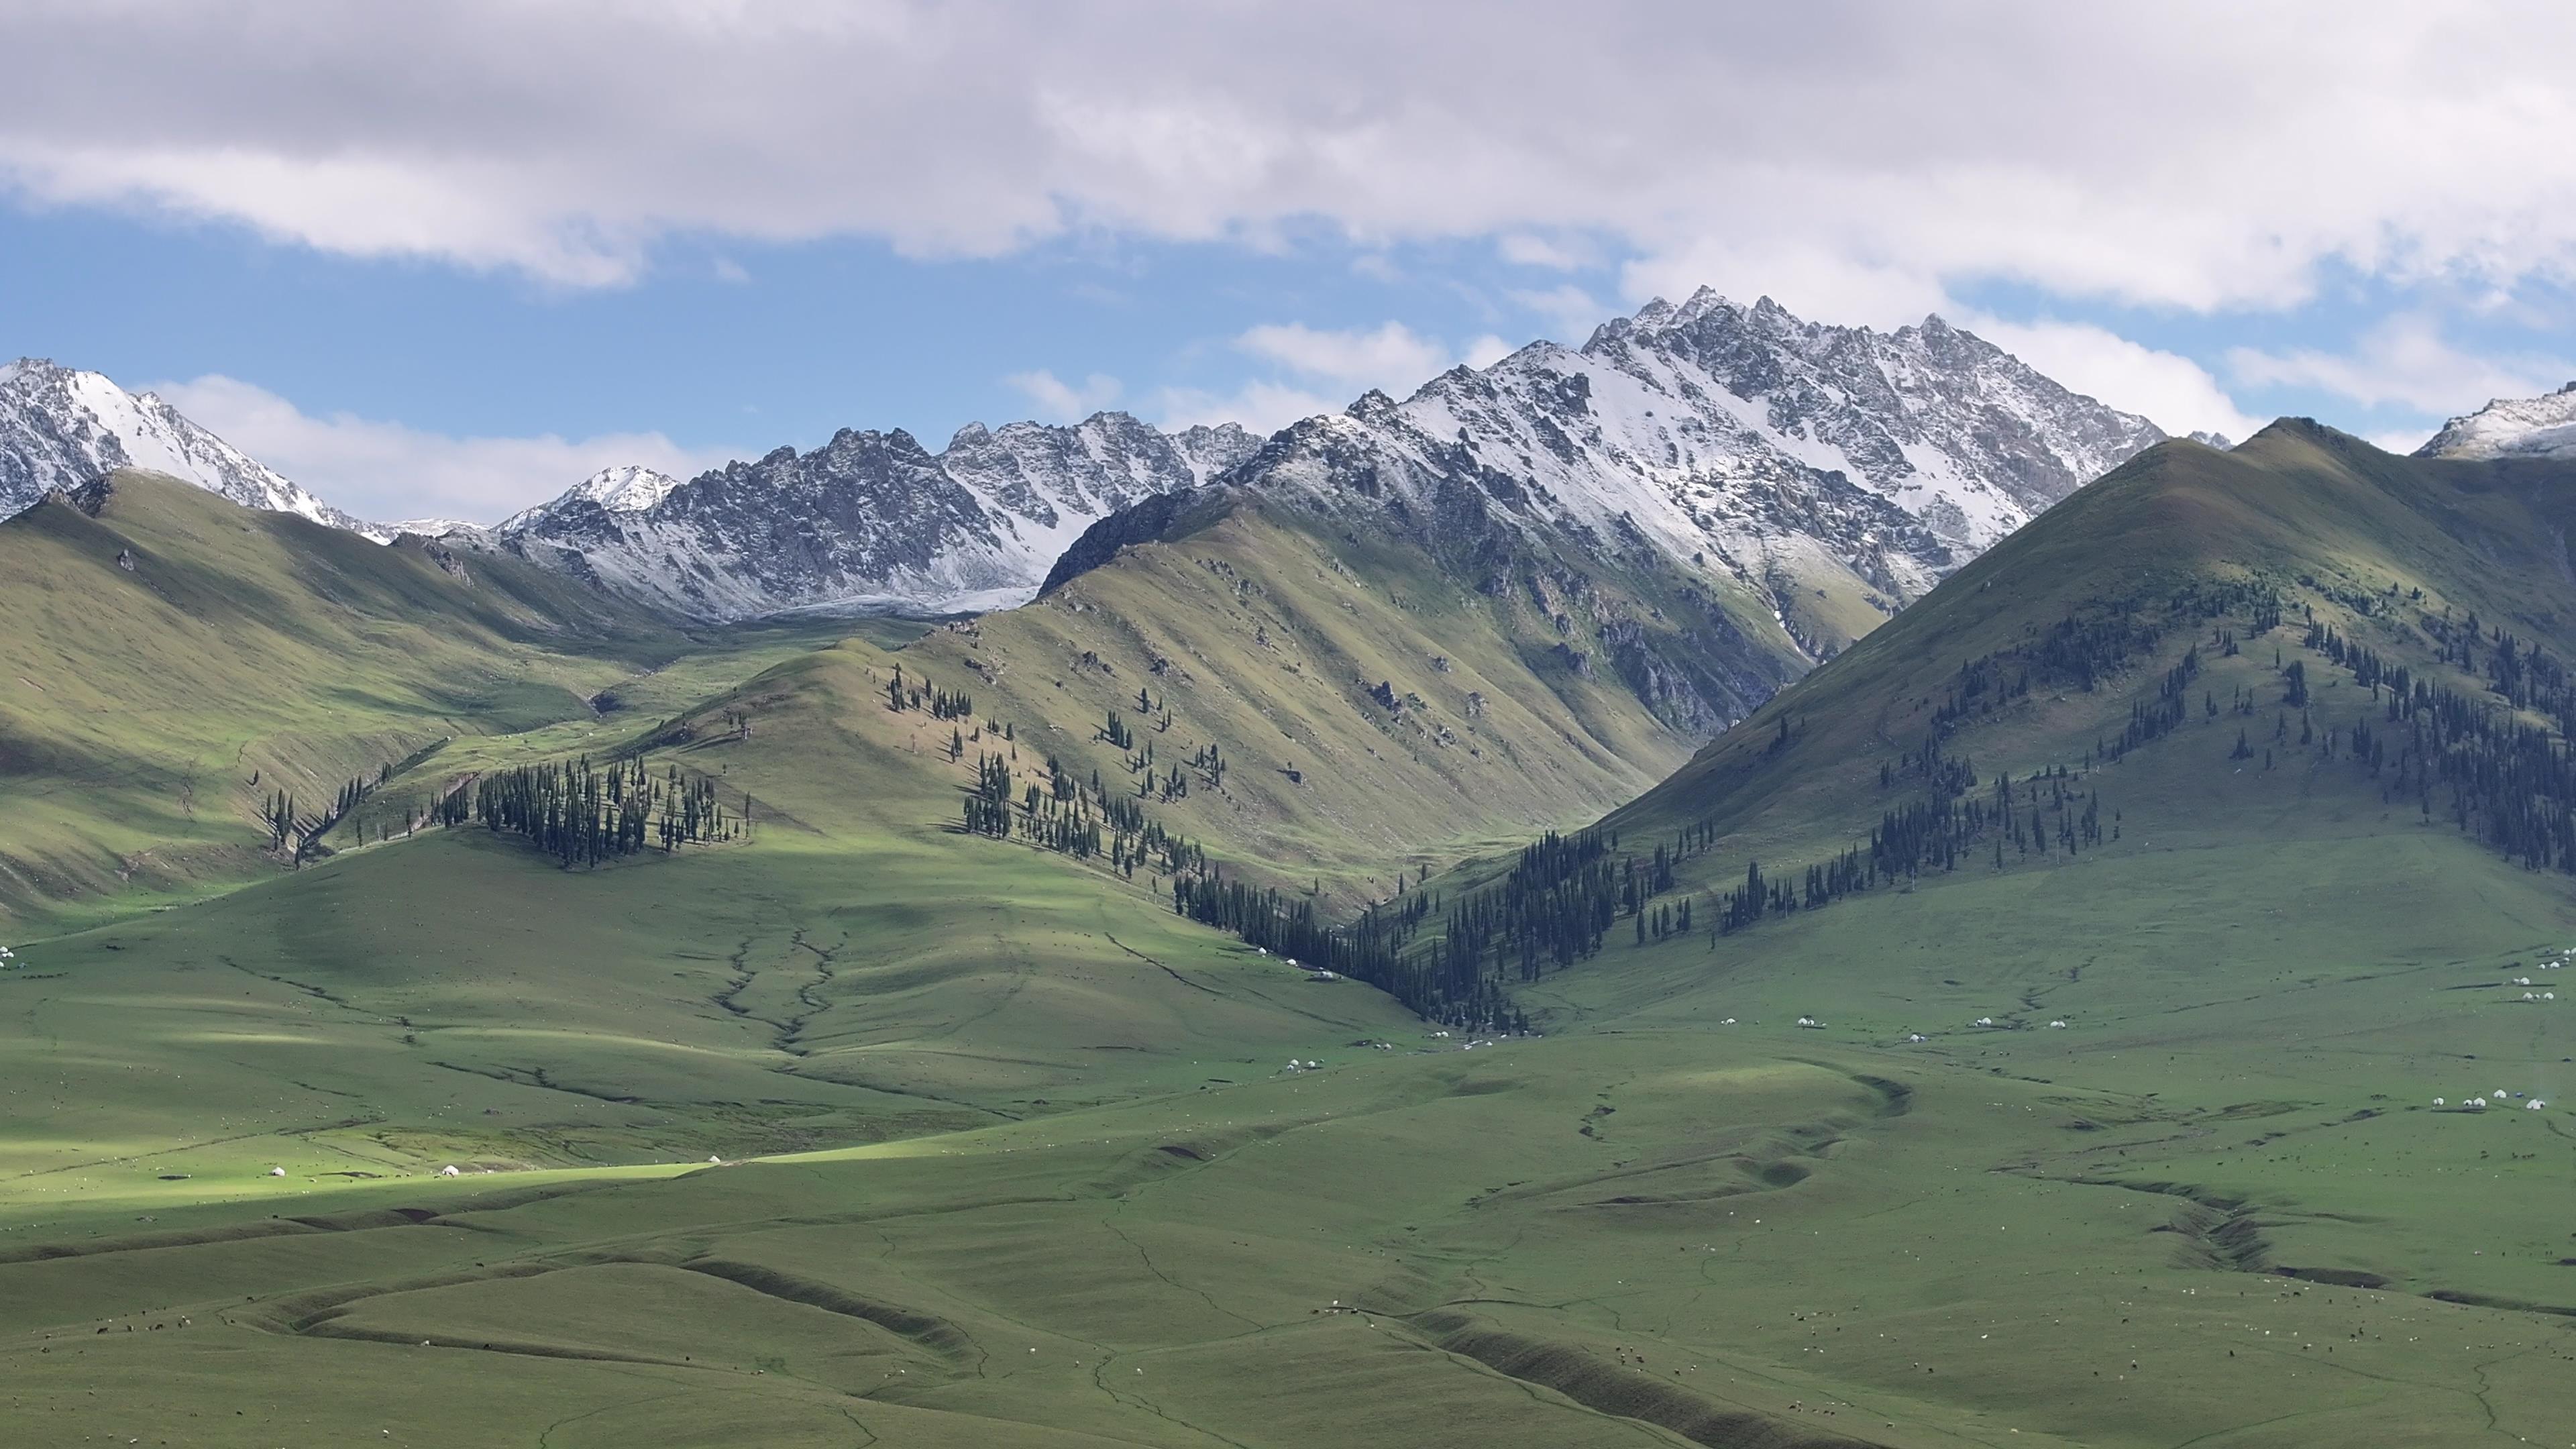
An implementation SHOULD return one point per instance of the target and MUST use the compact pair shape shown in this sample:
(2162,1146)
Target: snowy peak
(1800,461)
(627,489)
(61,427)
(2538,427)
(870,520)
(1950,427)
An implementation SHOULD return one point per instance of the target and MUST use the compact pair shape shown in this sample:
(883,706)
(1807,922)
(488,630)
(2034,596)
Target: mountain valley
(1405,937)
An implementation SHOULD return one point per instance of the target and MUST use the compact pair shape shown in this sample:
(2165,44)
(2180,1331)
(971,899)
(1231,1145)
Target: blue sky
(450,261)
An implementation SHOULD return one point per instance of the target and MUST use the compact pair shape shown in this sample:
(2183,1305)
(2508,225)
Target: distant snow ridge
(2538,427)
(627,489)
(1787,450)
(1739,439)
(870,520)
(60,428)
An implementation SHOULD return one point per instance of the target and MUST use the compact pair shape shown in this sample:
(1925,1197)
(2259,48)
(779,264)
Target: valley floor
(1110,1214)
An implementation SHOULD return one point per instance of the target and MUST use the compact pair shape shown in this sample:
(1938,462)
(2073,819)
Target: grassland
(1007,1154)
(1647,1229)
(1509,709)
(172,659)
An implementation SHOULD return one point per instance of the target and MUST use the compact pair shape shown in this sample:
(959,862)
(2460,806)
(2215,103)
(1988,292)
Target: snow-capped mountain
(425,527)
(626,489)
(1801,459)
(61,427)
(2535,427)
(1808,462)
(869,520)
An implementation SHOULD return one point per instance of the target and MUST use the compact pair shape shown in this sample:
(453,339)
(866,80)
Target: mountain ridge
(1830,470)
(1839,470)
(869,520)
(2541,427)
(63,427)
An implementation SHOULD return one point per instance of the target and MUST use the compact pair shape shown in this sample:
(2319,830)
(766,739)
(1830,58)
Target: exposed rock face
(2537,427)
(1804,462)
(870,520)
(1163,516)
(1783,454)
(61,427)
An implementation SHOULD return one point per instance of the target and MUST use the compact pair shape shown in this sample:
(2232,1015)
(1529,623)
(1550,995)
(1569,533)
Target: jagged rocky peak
(627,489)
(2536,427)
(1798,460)
(61,427)
(870,520)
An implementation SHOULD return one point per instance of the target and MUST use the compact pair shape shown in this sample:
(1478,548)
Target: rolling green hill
(2305,639)
(173,659)
(1007,1152)
(1377,698)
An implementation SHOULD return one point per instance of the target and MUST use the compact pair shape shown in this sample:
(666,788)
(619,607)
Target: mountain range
(1839,470)
(870,521)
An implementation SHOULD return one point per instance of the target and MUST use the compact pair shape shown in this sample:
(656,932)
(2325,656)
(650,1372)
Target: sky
(446,259)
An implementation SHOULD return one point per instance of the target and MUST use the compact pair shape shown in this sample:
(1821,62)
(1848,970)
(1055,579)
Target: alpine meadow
(1734,880)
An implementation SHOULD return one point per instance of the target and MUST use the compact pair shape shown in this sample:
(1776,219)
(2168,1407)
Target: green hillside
(173,660)
(1375,699)
(1009,1152)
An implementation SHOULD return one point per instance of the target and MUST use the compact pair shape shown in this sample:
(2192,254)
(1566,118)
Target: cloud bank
(1860,161)
(386,471)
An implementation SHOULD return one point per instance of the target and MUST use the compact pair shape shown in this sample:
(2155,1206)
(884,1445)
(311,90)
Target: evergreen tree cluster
(582,814)
(1370,949)
(1071,818)
(921,694)
(287,827)
(2510,782)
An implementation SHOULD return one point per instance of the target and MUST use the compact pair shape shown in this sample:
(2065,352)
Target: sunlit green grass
(1007,1154)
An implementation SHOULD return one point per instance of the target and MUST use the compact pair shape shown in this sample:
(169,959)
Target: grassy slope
(2295,500)
(1264,630)
(2265,978)
(1128,1225)
(1629,1238)
(137,704)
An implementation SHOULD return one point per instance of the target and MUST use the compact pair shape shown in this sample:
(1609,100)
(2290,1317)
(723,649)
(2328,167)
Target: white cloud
(1859,162)
(1569,312)
(1064,402)
(1325,368)
(2404,361)
(2173,391)
(384,470)
(1522,249)
(1392,356)
(1263,407)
